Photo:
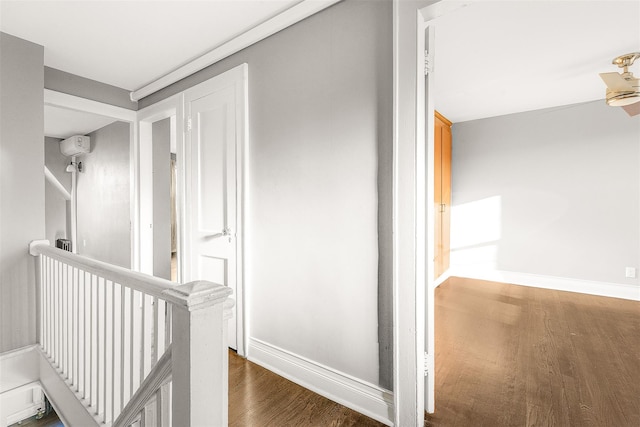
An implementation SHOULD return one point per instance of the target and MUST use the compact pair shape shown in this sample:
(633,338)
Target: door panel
(212,199)
(214,269)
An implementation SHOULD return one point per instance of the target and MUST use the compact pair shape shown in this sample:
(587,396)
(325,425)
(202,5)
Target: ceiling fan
(623,90)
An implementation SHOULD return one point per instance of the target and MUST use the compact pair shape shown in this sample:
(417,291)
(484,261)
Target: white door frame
(144,179)
(412,208)
(425,137)
(143,199)
(76,103)
(425,248)
(238,77)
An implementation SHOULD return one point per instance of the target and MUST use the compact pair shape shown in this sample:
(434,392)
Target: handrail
(190,295)
(159,375)
(103,327)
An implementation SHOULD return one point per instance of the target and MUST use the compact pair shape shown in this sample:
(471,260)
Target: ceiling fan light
(622,100)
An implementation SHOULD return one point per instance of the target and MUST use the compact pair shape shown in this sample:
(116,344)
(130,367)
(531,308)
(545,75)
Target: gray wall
(161,135)
(56,161)
(71,84)
(21,186)
(57,208)
(554,192)
(104,197)
(318,215)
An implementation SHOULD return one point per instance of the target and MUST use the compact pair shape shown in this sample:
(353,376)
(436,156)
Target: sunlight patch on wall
(476,229)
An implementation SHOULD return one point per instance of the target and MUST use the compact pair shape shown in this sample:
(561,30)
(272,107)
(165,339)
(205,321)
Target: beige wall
(21,186)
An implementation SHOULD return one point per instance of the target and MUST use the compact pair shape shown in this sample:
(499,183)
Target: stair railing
(135,349)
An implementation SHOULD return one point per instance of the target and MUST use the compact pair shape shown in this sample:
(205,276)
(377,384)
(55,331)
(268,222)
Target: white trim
(72,102)
(398,352)
(68,404)
(424,218)
(440,280)
(605,289)
(285,19)
(25,412)
(17,352)
(74,207)
(425,228)
(242,197)
(368,399)
(143,172)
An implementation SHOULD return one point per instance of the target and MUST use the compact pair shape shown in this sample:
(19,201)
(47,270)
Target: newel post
(199,354)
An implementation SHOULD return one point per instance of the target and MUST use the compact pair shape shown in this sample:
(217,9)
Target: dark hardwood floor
(505,356)
(258,397)
(517,356)
(50,420)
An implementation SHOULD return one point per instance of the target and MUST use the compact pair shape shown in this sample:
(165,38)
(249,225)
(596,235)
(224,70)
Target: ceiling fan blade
(632,109)
(616,82)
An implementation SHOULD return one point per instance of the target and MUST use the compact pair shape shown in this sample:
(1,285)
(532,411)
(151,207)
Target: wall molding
(605,289)
(294,14)
(366,398)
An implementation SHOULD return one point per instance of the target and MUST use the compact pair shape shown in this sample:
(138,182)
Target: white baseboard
(368,399)
(605,289)
(20,403)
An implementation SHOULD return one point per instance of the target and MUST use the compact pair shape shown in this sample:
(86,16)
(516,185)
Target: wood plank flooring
(505,356)
(260,398)
(517,356)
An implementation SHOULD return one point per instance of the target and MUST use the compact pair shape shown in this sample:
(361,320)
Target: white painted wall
(21,186)
(554,192)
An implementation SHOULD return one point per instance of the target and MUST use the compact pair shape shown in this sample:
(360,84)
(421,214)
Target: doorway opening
(204,240)
(77,186)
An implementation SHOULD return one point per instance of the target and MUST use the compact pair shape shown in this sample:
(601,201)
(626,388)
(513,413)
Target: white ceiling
(131,43)
(63,123)
(500,57)
(493,57)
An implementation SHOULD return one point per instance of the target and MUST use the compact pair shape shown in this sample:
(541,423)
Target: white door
(214,128)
